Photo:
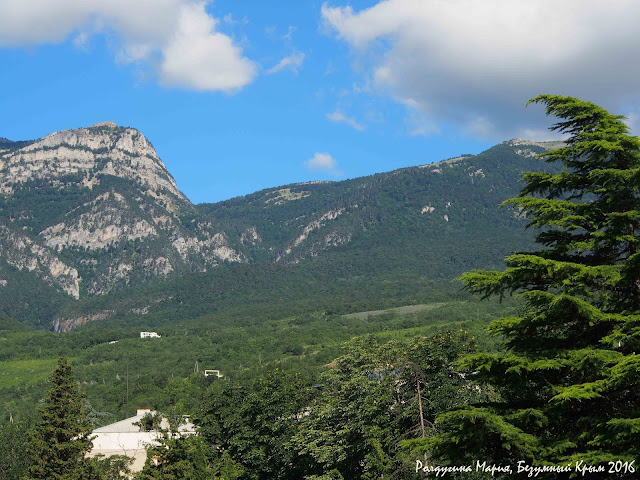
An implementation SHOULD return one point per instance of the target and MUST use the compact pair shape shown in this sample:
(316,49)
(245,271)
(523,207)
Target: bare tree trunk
(420,405)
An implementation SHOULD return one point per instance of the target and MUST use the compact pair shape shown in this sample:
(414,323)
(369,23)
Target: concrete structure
(126,438)
(149,335)
(215,373)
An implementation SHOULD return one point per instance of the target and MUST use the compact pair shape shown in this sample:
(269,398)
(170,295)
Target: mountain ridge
(92,211)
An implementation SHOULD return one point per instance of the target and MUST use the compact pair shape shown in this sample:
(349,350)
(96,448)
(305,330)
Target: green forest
(528,370)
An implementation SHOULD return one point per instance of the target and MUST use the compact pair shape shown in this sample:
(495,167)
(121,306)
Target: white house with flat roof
(149,335)
(127,438)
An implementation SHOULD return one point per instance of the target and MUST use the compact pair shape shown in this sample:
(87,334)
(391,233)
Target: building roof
(127,438)
(128,425)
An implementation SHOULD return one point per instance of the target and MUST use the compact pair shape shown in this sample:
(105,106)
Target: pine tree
(60,440)
(568,381)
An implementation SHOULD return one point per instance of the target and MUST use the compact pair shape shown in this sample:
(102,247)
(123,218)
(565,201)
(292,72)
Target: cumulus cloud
(321,161)
(293,62)
(475,63)
(199,57)
(338,116)
(178,37)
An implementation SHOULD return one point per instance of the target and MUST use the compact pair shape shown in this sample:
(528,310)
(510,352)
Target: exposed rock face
(66,324)
(210,247)
(330,240)
(104,148)
(250,236)
(94,210)
(526,152)
(24,253)
(286,195)
(111,210)
(103,224)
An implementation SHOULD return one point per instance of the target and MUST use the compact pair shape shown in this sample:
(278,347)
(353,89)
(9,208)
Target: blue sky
(240,96)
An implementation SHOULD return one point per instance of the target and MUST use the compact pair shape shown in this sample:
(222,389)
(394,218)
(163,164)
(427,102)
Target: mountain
(90,212)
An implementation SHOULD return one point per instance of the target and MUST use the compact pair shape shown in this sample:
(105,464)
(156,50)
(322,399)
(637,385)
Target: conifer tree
(60,440)
(569,379)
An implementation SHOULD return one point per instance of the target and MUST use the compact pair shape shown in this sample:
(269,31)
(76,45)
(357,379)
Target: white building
(126,438)
(149,335)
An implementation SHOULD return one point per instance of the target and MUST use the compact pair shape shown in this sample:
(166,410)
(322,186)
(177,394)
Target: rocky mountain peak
(106,124)
(87,153)
(516,142)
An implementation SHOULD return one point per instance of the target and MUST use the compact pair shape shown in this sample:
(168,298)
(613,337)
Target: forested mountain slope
(89,212)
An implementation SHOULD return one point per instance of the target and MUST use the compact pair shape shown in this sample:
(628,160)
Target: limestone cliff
(101,199)
(104,148)
(26,254)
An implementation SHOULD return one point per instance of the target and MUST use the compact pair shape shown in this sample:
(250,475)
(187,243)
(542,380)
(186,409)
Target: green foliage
(149,422)
(254,424)
(241,343)
(376,395)
(177,457)
(379,247)
(245,319)
(60,440)
(14,464)
(568,382)
(28,298)
(345,424)
(43,202)
(115,467)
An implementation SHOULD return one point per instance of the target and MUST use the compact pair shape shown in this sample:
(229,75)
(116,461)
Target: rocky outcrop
(94,210)
(23,253)
(69,323)
(127,227)
(101,225)
(330,240)
(527,152)
(104,148)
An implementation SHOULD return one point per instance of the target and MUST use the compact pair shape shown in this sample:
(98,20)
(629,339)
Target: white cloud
(198,57)
(419,124)
(228,19)
(475,63)
(321,161)
(80,41)
(178,37)
(633,122)
(290,31)
(292,62)
(338,116)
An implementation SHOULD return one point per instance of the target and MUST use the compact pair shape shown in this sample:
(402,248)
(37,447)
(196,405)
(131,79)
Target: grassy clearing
(407,309)
(22,372)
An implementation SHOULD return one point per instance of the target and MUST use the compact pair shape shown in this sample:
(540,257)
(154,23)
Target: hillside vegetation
(100,241)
